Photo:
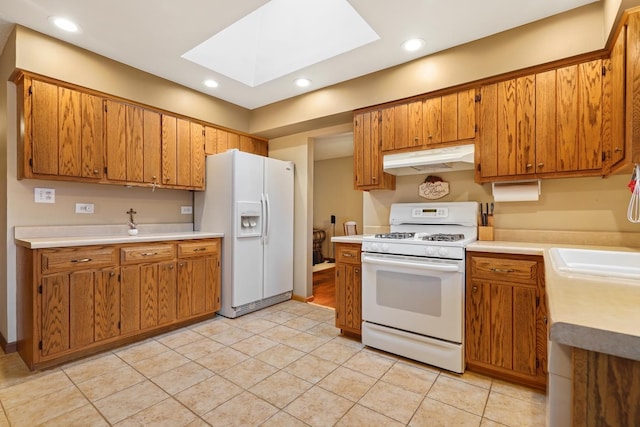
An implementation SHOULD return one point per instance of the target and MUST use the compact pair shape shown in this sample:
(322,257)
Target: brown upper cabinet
(75,134)
(62,132)
(132,138)
(220,140)
(425,123)
(542,125)
(367,154)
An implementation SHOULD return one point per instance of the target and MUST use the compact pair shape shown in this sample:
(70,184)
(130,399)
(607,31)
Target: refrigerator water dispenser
(249,219)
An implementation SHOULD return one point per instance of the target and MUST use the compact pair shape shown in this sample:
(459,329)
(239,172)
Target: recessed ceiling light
(412,45)
(302,82)
(211,83)
(64,24)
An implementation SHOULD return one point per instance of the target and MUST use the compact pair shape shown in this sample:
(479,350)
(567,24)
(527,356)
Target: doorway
(333,199)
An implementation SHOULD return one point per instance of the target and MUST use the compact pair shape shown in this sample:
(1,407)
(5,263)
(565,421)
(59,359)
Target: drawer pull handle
(348,255)
(503,270)
(149,253)
(81,260)
(199,249)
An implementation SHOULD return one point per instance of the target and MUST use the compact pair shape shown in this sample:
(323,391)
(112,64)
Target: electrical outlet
(44,195)
(186,210)
(84,208)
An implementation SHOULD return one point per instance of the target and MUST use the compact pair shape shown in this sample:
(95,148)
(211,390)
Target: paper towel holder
(526,184)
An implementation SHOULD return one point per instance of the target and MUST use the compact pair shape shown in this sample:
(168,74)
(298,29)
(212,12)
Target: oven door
(415,294)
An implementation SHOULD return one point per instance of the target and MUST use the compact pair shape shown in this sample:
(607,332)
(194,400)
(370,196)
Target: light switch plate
(44,195)
(84,208)
(186,210)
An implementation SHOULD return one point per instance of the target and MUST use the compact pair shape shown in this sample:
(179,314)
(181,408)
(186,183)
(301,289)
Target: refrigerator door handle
(267,220)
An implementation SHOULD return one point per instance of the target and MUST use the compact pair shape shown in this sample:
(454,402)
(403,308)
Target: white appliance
(447,159)
(250,199)
(413,281)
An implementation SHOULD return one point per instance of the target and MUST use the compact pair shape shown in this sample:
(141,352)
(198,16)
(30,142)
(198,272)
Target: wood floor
(324,292)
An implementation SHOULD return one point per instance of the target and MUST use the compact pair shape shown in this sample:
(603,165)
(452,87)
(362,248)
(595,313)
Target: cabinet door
(166,292)
(130,304)
(348,297)
(107,304)
(185,288)
(545,152)
(116,140)
(81,308)
(134,118)
(197,155)
(525,124)
(54,313)
(613,103)
(466,114)
(198,286)
(44,128)
(387,128)
(183,160)
(169,150)
(152,147)
(580,116)
(149,287)
(432,120)
(478,322)
(450,117)
(70,132)
(92,143)
(233,141)
(590,115)
(210,140)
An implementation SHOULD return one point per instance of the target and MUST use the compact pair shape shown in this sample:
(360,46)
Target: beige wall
(333,194)
(575,204)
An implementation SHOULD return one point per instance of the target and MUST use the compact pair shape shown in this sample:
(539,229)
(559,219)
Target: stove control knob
(443,251)
(374,247)
(430,251)
(385,247)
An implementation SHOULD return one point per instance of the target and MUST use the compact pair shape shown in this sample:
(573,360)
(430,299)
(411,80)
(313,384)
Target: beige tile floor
(285,365)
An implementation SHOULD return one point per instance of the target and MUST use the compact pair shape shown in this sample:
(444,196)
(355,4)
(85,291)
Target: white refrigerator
(250,199)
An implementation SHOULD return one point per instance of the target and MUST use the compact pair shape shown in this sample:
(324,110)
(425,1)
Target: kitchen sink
(612,264)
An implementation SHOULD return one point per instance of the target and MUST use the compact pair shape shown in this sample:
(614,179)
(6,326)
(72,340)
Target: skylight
(281,37)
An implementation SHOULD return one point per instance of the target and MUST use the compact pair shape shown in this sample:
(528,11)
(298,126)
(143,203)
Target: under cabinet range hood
(460,157)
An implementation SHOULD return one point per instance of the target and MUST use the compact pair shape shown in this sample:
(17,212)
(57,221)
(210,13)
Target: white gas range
(413,282)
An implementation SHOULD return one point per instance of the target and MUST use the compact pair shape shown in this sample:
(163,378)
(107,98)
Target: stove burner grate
(441,237)
(396,235)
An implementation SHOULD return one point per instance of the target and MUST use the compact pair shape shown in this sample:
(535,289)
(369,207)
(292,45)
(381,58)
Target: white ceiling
(153,35)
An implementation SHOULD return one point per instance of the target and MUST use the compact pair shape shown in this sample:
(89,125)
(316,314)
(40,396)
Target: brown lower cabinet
(348,287)
(506,323)
(79,300)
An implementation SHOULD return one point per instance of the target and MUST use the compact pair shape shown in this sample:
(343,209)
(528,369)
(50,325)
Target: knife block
(485,232)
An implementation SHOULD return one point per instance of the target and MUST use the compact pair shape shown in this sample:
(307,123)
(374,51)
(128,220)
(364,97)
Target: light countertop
(65,236)
(347,239)
(590,312)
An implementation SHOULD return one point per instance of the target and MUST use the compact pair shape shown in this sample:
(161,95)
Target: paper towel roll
(520,191)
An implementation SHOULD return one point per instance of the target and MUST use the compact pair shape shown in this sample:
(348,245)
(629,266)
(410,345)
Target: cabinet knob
(540,165)
(170,266)
(529,166)
(617,150)
(474,289)
(416,139)
(357,270)
(544,319)
(111,274)
(95,171)
(430,136)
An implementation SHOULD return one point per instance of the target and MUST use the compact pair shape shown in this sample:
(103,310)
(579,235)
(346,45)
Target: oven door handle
(421,265)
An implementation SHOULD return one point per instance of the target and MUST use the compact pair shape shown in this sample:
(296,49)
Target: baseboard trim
(8,347)
(301,299)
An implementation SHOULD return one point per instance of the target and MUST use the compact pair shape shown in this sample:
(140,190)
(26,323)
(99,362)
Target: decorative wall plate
(433,188)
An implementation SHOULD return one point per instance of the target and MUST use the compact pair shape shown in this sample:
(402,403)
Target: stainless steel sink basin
(613,264)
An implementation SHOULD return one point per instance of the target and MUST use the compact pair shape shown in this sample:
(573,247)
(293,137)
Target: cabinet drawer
(137,254)
(510,270)
(82,258)
(347,253)
(192,249)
